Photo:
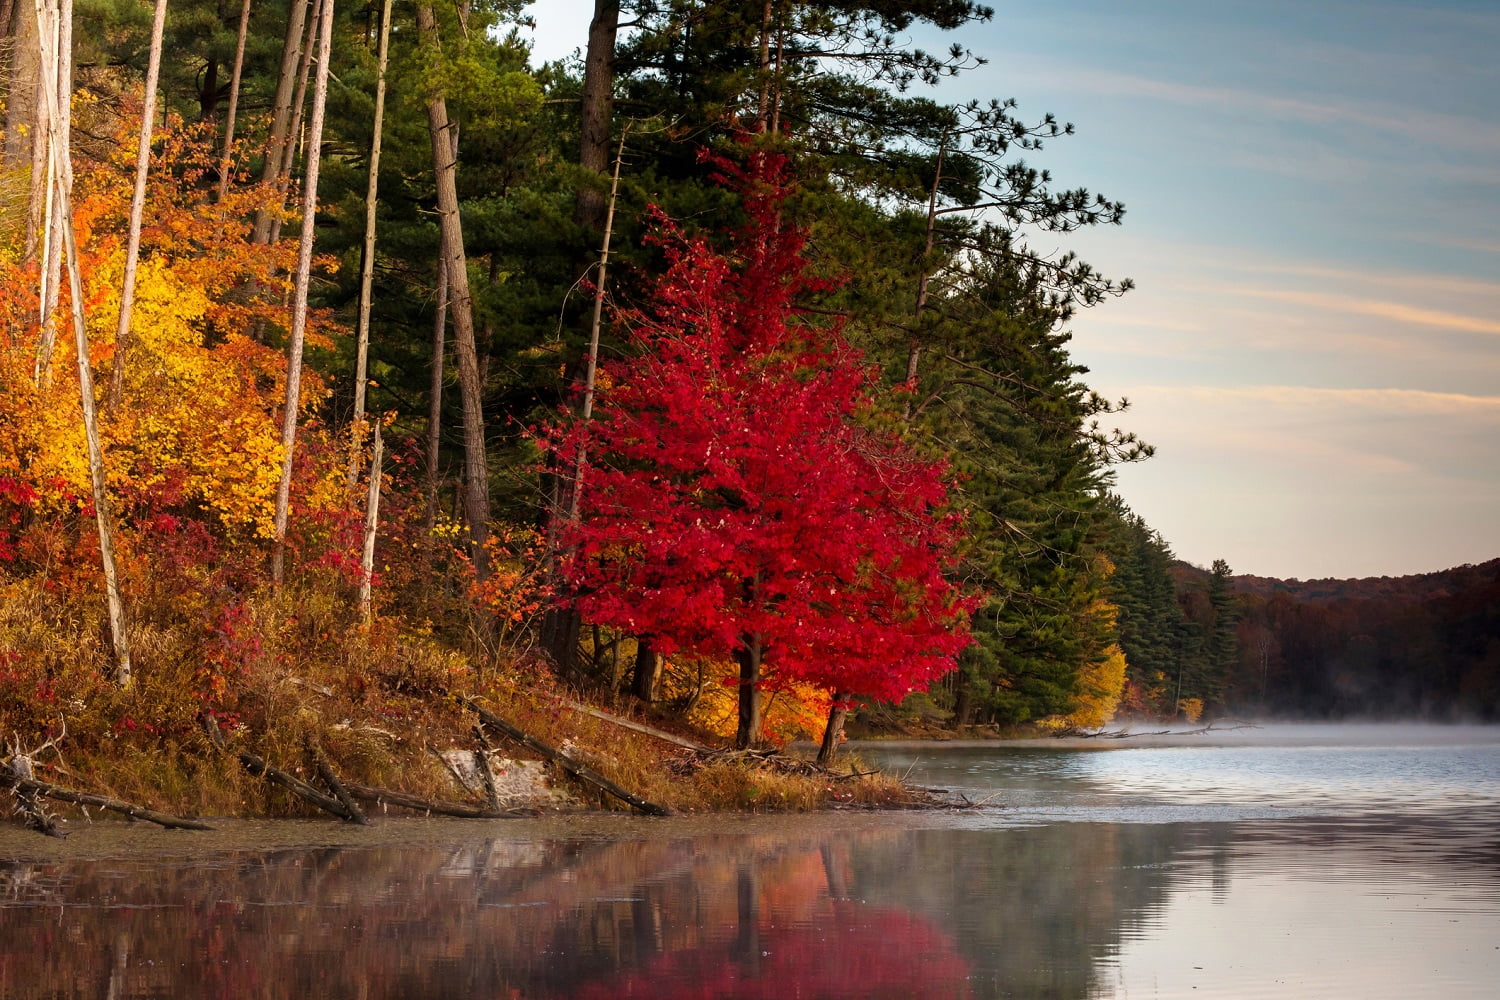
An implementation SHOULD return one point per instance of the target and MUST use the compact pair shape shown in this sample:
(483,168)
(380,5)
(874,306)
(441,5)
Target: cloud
(1425,126)
(1382,310)
(1390,401)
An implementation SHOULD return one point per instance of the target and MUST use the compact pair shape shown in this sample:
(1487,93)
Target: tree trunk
(435,397)
(281,109)
(25,134)
(832,733)
(227,160)
(299,301)
(54,117)
(598,101)
(55,43)
(367,264)
(749,657)
(647,671)
(461,309)
(293,144)
(137,209)
(372,521)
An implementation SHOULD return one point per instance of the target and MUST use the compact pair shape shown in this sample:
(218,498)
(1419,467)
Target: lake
(1288,861)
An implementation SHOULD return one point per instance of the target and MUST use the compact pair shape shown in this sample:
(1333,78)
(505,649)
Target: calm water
(1284,862)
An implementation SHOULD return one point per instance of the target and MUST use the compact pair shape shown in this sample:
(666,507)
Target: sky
(1312,195)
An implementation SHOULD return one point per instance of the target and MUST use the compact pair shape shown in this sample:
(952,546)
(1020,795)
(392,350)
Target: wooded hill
(1424,646)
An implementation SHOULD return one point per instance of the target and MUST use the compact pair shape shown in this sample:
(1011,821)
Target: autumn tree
(737,503)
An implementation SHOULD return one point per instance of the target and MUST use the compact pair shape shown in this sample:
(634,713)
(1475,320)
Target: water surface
(1287,863)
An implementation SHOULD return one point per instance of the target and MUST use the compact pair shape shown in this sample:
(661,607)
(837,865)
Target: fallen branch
(580,771)
(34,786)
(637,727)
(336,786)
(261,769)
(389,796)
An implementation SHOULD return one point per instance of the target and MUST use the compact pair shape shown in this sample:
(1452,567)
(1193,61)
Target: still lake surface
(1288,861)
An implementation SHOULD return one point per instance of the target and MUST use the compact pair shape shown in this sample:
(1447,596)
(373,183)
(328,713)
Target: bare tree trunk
(591,362)
(763,105)
(227,160)
(299,302)
(372,521)
(137,208)
(294,139)
(435,396)
(598,100)
(914,348)
(367,264)
(55,42)
(461,308)
(281,109)
(54,115)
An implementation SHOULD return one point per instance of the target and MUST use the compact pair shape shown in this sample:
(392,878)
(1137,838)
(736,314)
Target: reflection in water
(1400,897)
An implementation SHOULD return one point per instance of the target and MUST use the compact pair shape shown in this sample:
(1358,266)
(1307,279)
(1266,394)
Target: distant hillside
(1400,589)
(1424,646)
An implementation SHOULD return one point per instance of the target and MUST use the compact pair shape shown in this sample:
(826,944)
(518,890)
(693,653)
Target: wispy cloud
(1393,401)
(1380,309)
(1430,127)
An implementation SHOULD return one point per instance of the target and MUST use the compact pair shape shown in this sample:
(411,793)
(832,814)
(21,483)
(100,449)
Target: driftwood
(578,770)
(261,769)
(32,786)
(16,774)
(389,796)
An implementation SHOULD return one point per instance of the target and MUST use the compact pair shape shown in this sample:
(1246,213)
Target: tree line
(727,351)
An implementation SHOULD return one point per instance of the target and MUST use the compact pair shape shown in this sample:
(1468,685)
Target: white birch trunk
(227,160)
(299,298)
(372,521)
(55,39)
(367,265)
(137,208)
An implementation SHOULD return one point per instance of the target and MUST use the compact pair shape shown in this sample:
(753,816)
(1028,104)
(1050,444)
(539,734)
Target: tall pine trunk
(294,139)
(299,300)
(597,102)
(476,487)
(281,108)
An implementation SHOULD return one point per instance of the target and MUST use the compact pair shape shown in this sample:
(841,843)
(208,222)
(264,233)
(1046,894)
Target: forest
(354,365)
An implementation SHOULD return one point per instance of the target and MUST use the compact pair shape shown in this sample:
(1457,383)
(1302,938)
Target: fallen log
(35,786)
(335,785)
(637,727)
(580,771)
(260,768)
(389,796)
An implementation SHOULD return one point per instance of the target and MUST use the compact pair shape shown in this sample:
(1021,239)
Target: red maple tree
(735,504)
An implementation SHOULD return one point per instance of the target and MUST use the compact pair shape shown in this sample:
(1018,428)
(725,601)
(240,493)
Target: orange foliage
(199,414)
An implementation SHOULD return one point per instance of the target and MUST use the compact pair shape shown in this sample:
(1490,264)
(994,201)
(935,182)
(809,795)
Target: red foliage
(733,491)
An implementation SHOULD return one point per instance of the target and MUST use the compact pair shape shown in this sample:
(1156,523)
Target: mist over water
(1289,861)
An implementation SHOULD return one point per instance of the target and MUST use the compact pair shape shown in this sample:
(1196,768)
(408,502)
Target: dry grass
(288,670)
